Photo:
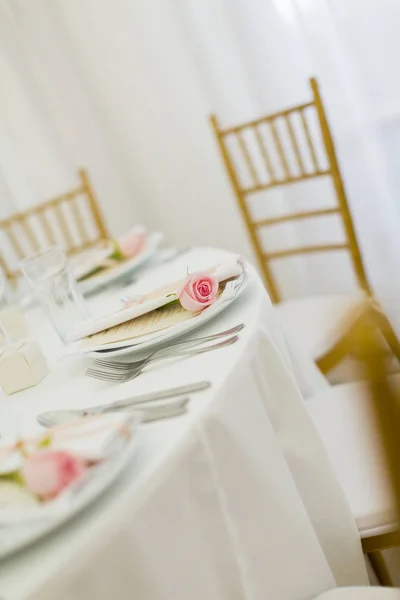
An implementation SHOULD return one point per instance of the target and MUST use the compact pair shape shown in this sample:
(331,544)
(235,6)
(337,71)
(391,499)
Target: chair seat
(360,593)
(344,418)
(316,322)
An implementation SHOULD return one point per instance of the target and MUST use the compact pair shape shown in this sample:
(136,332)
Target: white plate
(153,241)
(161,338)
(15,536)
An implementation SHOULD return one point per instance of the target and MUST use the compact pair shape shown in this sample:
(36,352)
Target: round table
(218,503)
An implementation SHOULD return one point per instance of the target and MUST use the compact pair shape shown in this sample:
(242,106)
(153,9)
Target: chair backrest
(72,220)
(290,139)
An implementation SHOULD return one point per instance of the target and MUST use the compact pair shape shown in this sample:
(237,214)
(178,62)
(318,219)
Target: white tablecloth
(235,500)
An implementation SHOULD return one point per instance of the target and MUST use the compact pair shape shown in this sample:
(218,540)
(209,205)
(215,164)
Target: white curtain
(48,123)
(125,88)
(354,47)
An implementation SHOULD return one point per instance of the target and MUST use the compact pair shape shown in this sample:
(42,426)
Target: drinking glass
(52,280)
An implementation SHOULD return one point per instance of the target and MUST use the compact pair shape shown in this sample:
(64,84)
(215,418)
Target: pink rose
(198,291)
(47,472)
(130,244)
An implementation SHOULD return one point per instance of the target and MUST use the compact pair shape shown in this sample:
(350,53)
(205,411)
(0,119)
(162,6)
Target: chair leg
(381,571)
(388,332)
(336,354)
(331,358)
(341,349)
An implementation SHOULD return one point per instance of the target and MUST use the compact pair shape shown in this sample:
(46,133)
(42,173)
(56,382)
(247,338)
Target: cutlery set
(111,370)
(153,406)
(55,417)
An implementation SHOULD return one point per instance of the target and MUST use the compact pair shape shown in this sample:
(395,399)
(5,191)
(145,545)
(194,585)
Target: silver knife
(53,417)
(169,393)
(163,410)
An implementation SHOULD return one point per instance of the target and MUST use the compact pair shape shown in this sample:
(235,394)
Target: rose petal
(189,303)
(131,243)
(202,288)
(198,291)
(46,473)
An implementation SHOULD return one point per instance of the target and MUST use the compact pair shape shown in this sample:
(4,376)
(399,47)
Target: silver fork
(125,365)
(106,374)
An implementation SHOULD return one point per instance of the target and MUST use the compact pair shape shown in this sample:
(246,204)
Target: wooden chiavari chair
(72,219)
(315,320)
(359,424)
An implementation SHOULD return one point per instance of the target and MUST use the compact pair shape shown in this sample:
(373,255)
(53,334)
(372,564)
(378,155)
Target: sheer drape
(126,87)
(353,46)
(48,127)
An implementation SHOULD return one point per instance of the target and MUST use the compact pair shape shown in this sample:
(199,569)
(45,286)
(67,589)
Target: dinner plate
(15,535)
(122,269)
(147,343)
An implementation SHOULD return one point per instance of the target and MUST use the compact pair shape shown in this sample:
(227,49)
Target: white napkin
(230,268)
(105,438)
(92,438)
(88,260)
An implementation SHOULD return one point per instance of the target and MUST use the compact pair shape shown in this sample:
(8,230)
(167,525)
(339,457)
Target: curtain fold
(125,88)
(48,126)
(353,46)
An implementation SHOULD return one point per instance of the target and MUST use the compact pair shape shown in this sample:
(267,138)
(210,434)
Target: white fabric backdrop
(48,124)
(125,88)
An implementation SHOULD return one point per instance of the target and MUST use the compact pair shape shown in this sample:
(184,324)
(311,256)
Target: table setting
(114,260)
(170,410)
(23,513)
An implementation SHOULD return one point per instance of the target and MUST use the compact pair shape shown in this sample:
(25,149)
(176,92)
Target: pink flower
(47,472)
(130,244)
(198,291)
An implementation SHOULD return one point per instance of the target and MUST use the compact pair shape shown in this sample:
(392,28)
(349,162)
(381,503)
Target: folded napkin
(91,260)
(92,438)
(109,253)
(147,303)
(98,444)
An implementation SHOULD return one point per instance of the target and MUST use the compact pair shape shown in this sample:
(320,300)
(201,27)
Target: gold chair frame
(335,355)
(333,171)
(55,207)
(364,338)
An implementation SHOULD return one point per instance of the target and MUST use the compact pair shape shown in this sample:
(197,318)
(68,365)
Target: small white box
(21,367)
